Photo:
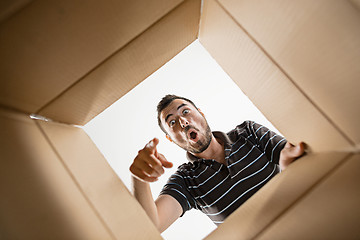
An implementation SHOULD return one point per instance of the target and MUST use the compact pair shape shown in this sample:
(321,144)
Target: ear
(168,138)
(201,112)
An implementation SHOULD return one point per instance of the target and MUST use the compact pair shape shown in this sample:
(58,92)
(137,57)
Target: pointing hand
(149,165)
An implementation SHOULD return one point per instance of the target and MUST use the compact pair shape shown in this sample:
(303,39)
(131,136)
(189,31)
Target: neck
(214,151)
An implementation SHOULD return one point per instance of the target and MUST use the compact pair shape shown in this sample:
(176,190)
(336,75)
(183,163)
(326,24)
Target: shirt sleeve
(176,188)
(268,141)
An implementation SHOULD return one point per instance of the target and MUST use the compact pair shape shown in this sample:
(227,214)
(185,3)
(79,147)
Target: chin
(203,147)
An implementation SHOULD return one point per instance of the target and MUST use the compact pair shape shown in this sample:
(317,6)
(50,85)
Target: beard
(202,144)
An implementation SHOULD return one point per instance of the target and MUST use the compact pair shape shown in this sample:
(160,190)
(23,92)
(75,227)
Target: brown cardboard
(281,193)
(296,60)
(317,45)
(329,211)
(49,46)
(266,83)
(128,67)
(39,199)
(105,191)
(356,3)
(9,8)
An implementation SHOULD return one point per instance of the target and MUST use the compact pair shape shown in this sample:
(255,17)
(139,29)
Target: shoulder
(241,129)
(185,168)
(189,166)
(189,169)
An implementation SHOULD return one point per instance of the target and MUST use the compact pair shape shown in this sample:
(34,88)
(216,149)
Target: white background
(126,126)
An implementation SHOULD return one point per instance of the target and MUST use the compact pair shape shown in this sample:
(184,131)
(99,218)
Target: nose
(183,122)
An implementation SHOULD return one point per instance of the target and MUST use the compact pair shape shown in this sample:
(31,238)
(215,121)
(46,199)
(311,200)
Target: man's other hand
(290,153)
(149,165)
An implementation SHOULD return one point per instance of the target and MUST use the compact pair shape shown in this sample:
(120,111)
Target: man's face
(186,126)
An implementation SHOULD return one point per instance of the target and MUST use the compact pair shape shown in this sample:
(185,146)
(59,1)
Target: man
(224,170)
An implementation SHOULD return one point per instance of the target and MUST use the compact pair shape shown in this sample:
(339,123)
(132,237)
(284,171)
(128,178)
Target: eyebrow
(180,106)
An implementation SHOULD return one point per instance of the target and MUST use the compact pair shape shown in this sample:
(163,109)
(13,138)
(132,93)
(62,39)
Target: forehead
(172,108)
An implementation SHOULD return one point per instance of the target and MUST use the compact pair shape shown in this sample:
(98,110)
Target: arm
(147,167)
(276,148)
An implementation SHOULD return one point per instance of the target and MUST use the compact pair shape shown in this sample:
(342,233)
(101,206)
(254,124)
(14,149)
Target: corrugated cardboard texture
(111,199)
(276,197)
(266,83)
(48,46)
(317,44)
(39,199)
(329,211)
(127,67)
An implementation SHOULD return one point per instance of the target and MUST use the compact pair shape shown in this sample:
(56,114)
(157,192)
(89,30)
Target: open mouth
(193,135)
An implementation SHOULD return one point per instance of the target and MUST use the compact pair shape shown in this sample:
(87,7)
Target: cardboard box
(68,61)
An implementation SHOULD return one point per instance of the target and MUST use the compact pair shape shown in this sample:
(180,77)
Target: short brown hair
(165,101)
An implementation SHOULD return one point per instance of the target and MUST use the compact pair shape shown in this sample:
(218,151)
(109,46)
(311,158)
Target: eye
(172,123)
(186,111)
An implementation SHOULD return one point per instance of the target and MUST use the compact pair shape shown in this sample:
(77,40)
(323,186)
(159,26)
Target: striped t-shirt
(252,154)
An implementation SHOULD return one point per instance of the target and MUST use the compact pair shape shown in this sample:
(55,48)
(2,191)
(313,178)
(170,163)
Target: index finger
(152,145)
